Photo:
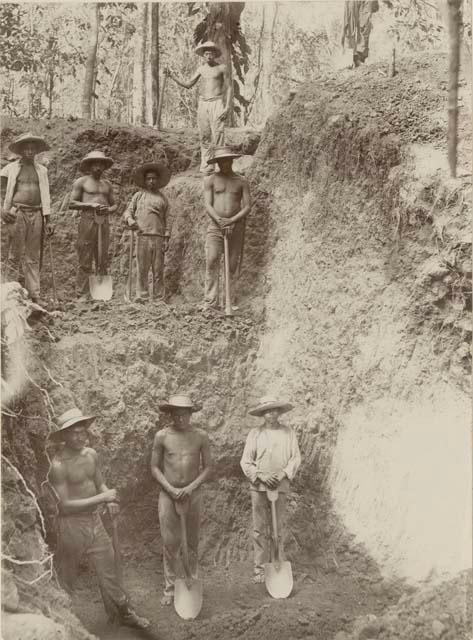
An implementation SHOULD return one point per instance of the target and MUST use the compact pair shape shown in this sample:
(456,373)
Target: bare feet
(166,601)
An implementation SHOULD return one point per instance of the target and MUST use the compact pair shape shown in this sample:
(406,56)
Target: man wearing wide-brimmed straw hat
(26,210)
(227,202)
(147,213)
(180,463)
(214,99)
(270,460)
(77,481)
(92,196)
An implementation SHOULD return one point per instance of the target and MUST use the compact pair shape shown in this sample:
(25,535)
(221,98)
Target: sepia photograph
(236,300)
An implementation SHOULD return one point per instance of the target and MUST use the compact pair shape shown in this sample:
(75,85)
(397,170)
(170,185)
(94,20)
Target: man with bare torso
(26,209)
(77,481)
(92,196)
(180,463)
(227,202)
(215,94)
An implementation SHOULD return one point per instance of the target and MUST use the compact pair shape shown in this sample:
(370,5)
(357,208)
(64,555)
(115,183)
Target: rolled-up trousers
(213,253)
(88,250)
(170,525)
(150,255)
(24,247)
(211,129)
(263,547)
(84,534)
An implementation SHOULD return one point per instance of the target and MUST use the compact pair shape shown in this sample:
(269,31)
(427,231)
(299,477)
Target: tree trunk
(139,71)
(270,10)
(90,64)
(154,62)
(453,71)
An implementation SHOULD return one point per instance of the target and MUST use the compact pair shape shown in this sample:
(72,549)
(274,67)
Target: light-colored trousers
(213,253)
(150,255)
(170,525)
(24,247)
(211,130)
(84,534)
(262,537)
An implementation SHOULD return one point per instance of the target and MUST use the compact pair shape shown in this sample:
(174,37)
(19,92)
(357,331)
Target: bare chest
(79,470)
(212,73)
(27,176)
(227,186)
(93,187)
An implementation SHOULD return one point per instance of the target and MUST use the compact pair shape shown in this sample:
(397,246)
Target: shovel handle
(116,549)
(226,262)
(273,497)
(182,507)
(130,263)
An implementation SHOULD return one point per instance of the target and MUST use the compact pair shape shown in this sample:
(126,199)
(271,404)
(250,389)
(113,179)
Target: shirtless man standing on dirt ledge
(180,463)
(227,201)
(92,196)
(213,110)
(77,481)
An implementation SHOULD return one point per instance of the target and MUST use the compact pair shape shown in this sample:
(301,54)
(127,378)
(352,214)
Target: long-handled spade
(226,263)
(188,591)
(130,267)
(277,574)
(100,285)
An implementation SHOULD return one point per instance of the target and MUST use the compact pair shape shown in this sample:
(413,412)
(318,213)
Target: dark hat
(40,143)
(95,156)
(268,403)
(222,152)
(180,401)
(207,45)
(68,419)
(162,171)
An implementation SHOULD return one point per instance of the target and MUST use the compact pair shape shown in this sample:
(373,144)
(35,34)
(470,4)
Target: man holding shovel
(26,211)
(214,99)
(147,214)
(92,196)
(270,461)
(77,481)
(227,202)
(180,463)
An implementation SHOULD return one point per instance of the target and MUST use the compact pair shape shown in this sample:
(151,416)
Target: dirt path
(319,607)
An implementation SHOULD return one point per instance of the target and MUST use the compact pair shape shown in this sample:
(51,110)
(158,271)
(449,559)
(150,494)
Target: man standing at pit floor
(227,202)
(77,481)
(214,100)
(147,214)
(26,211)
(92,196)
(270,460)
(180,463)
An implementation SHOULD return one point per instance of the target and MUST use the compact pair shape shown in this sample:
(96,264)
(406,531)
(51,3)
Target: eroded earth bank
(355,303)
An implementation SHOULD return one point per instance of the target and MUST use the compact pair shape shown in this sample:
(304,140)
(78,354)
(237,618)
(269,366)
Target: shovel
(226,263)
(188,592)
(277,574)
(130,267)
(101,287)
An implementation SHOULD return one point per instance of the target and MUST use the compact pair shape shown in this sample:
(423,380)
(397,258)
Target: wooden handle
(226,261)
(272,497)
(181,506)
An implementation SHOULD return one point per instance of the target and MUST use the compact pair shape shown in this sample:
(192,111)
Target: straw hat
(40,143)
(163,172)
(222,152)
(268,403)
(95,156)
(180,401)
(207,45)
(68,419)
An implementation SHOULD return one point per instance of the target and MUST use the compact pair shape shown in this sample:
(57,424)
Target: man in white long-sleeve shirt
(270,460)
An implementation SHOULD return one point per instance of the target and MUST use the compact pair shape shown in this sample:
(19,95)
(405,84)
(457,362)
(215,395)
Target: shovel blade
(278,579)
(101,287)
(188,598)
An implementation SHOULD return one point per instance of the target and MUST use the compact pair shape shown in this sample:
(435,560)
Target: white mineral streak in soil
(401,480)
